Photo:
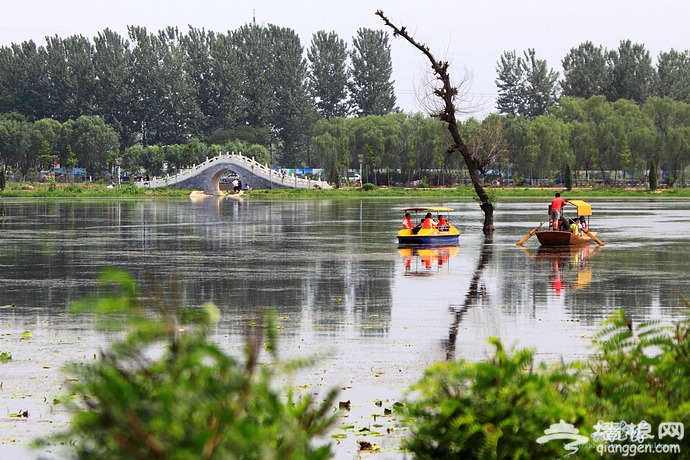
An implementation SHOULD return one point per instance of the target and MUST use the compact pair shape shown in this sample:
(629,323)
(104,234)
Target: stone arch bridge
(206,176)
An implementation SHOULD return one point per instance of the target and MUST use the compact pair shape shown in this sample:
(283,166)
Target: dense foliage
(172,99)
(605,143)
(371,86)
(168,87)
(602,142)
(527,87)
(167,391)
(488,410)
(499,408)
(328,74)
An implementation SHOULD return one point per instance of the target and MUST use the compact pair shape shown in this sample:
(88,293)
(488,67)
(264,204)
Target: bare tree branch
(448,93)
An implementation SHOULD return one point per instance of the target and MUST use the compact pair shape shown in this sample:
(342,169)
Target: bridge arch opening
(222,181)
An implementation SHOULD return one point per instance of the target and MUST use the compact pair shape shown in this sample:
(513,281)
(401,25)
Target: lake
(376,314)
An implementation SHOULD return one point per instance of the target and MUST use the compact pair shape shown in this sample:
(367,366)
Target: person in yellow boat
(583,225)
(575,228)
(429,221)
(442,223)
(407,221)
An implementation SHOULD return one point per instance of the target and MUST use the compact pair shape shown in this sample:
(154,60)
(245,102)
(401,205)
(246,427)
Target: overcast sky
(471,34)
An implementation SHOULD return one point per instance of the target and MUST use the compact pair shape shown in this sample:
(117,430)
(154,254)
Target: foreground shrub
(493,409)
(641,373)
(168,392)
(637,379)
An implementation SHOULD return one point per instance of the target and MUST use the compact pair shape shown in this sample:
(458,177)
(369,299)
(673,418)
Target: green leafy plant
(52,184)
(493,409)
(568,177)
(73,188)
(4,356)
(191,400)
(499,408)
(653,179)
(641,372)
(368,187)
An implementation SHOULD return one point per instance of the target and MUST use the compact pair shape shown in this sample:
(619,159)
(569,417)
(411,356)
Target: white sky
(470,34)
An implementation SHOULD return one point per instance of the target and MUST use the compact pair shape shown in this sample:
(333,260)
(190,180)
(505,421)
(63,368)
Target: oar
(528,236)
(596,240)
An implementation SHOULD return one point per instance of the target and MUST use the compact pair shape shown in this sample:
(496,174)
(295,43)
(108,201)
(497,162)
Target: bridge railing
(253,166)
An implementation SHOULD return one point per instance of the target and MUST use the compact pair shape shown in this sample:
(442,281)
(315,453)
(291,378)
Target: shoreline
(91,190)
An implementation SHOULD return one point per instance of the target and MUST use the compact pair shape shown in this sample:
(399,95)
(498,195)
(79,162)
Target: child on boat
(442,223)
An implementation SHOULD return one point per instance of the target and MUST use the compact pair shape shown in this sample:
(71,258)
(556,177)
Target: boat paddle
(528,236)
(596,240)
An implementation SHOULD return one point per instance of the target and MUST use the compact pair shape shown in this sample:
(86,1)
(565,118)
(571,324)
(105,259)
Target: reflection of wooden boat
(573,253)
(437,236)
(426,258)
(562,260)
(566,238)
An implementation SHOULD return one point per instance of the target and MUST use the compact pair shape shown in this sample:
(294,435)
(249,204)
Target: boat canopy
(583,209)
(428,208)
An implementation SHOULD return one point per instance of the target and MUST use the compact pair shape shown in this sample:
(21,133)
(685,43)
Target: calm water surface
(342,288)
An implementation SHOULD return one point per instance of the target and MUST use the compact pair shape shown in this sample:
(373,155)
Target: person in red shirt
(556,209)
(407,222)
(442,223)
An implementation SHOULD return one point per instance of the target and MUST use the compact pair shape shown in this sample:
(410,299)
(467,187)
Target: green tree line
(622,140)
(173,99)
(528,87)
(167,87)
(618,142)
(27,148)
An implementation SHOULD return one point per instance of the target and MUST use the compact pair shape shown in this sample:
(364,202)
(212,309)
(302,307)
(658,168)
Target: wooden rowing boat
(563,238)
(553,238)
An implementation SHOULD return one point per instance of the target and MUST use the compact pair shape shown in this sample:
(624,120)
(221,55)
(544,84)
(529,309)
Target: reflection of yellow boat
(437,236)
(426,258)
(566,238)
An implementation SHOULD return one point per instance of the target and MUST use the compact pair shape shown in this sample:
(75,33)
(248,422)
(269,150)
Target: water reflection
(569,266)
(426,261)
(332,271)
(476,293)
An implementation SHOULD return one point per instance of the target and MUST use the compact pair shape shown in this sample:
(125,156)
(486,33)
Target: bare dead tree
(448,93)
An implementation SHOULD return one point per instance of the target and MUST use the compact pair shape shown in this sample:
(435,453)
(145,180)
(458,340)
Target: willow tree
(448,93)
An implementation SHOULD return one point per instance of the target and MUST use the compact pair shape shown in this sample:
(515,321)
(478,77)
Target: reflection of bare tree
(474,293)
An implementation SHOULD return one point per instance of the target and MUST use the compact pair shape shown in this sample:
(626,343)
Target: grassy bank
(41,190)
(38,190)
(464,191)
